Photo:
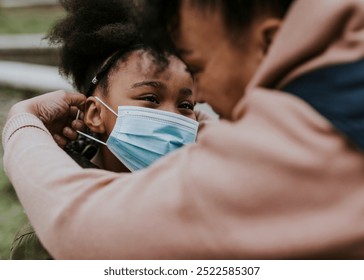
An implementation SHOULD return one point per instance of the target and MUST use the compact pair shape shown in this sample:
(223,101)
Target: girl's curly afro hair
(91,32)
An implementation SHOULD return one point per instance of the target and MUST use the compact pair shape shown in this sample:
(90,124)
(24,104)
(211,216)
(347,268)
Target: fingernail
(75,125)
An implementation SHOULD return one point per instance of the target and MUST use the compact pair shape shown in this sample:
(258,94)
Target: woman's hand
(57,110)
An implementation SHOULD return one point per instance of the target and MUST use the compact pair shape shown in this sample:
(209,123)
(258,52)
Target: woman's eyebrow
(182,51)
(155,84)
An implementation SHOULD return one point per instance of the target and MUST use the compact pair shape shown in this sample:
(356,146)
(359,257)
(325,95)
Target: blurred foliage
(17,21)
(11,216)
(11,213)
(28,20)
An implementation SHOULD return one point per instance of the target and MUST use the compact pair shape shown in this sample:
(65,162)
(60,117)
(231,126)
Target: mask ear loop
(107,106)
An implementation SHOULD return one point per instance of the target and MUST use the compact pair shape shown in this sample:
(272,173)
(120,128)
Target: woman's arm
(288,190)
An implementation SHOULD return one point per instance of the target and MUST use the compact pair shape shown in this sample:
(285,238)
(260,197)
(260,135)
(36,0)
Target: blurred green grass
(17,21)
(28,20)
(11,218)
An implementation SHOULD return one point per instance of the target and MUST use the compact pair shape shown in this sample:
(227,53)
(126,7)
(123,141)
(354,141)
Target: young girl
(140,101)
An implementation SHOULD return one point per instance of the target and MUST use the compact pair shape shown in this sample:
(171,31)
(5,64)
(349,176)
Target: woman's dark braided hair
(162,16)
(91,33)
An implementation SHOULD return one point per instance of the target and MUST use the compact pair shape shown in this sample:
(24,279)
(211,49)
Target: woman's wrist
(17,122)
(22,107)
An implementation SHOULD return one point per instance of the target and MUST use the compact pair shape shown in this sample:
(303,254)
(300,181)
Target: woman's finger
(61,141)
(69,133)
(75,99)
(78,125)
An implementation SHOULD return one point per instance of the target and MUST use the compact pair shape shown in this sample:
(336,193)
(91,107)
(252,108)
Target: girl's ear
(93,118)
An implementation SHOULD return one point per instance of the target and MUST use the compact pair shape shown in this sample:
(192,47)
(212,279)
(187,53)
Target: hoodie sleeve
(265,186)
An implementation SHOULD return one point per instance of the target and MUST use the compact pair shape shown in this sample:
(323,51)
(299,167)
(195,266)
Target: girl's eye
(150,98)
(186,105)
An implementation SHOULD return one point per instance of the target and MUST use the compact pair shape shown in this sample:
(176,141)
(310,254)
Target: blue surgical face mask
(142,135)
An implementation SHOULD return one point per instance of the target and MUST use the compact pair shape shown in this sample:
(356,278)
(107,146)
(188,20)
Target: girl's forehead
(145,64)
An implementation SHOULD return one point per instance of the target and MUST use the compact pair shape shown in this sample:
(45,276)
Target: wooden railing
(26,3)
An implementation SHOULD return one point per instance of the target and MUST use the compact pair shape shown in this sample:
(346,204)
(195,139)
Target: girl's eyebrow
(186,91)
(160,85)
(155,84)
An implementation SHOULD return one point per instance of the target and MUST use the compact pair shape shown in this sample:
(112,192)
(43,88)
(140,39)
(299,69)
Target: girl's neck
(106,160)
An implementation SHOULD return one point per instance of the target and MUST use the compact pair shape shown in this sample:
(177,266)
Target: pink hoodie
(278,182)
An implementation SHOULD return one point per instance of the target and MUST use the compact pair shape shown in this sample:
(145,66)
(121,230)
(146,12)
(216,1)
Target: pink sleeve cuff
(18,122)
